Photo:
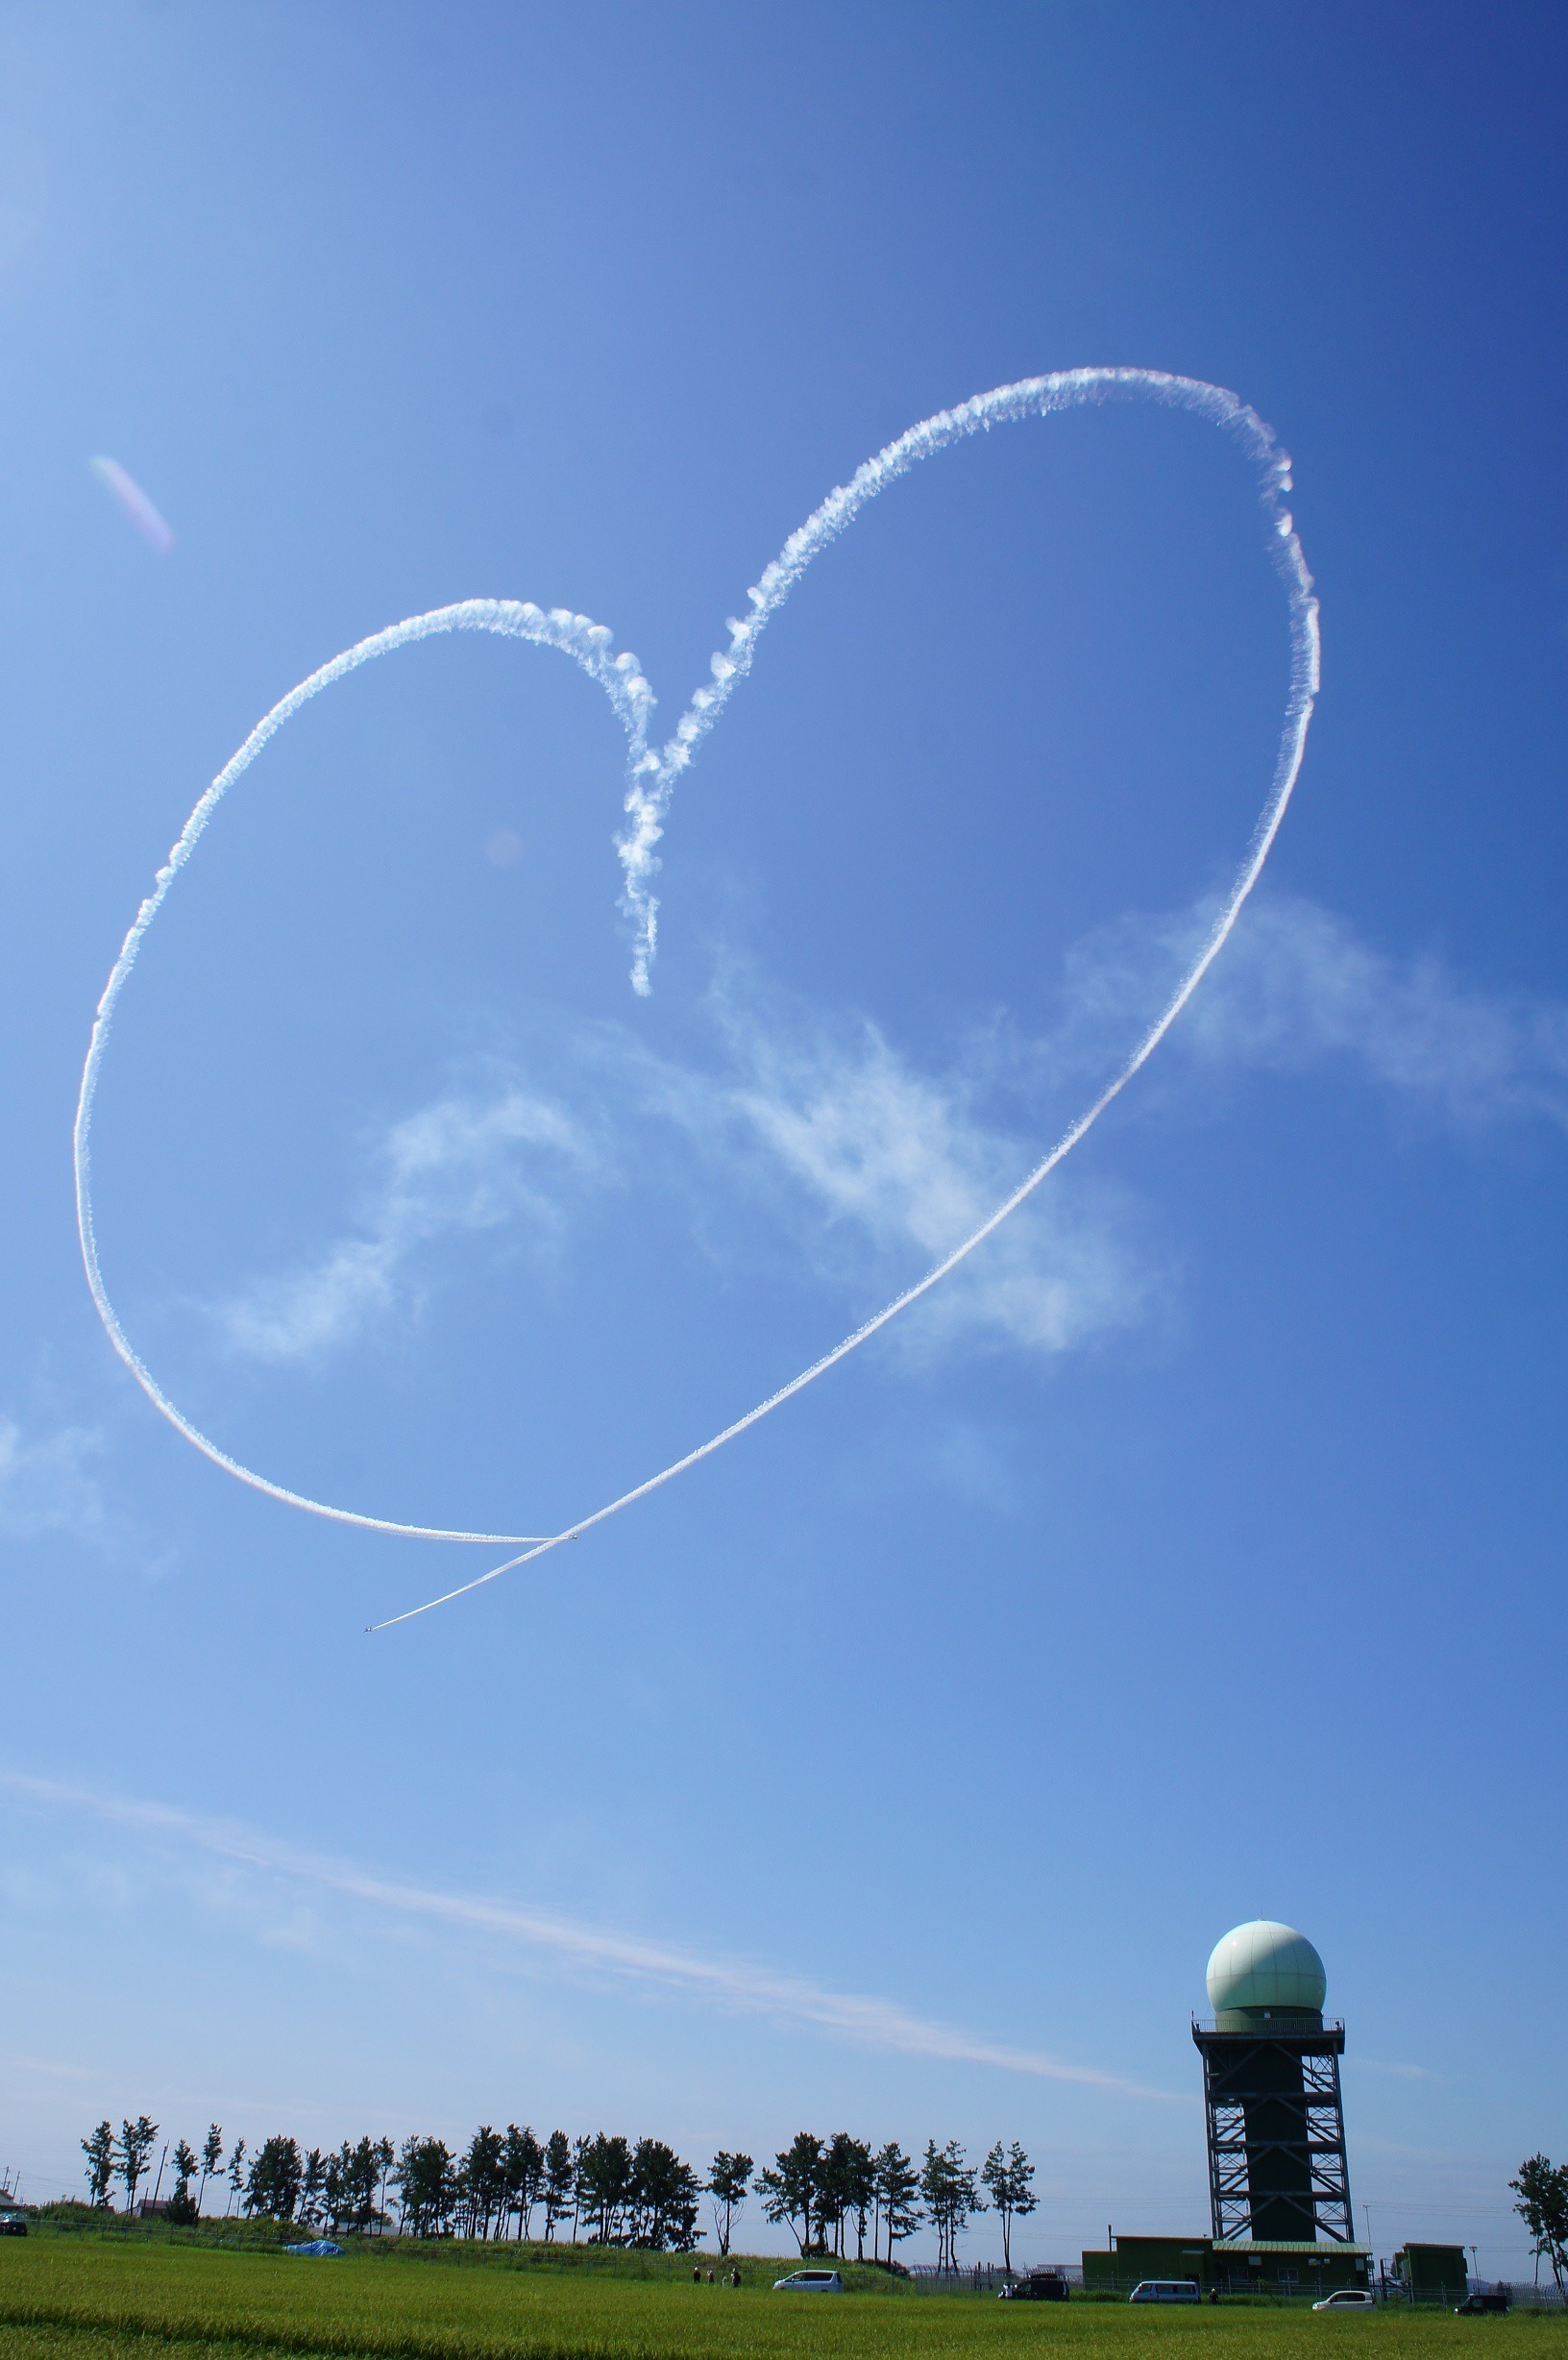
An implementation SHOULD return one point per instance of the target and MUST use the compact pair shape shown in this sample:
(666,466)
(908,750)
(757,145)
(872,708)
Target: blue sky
(1195,1552)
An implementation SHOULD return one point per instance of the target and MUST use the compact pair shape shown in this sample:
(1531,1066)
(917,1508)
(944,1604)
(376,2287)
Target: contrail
(588,643)
(755,1990)
(651,778)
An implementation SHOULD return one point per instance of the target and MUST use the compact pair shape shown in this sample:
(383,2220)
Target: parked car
(1347,2298)
(1473,2303)
(1039,2286)
(810,2283)
(13,2221)
(1166,2290)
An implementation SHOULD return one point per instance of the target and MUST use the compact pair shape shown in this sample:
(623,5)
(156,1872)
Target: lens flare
(135,503)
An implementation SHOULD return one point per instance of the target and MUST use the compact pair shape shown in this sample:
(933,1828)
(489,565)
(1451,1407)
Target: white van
(1166,2290)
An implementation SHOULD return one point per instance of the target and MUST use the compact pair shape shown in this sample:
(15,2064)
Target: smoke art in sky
(652,774)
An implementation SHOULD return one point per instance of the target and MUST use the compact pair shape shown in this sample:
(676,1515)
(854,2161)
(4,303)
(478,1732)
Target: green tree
(480,2181)
(560,2177)
(832,2195)
(137,2140)
(951,2194)
(848,2182)
(896,2185)
(522,2172)
(272,2189)
(187,2164)
(664,2198)
(211,2158)
(364,2165)
(1009,2180)
(581,2194)
(604,2187)
(426,2185)
(790,2193)
(1542,2192)
(236,2174)
(727,2184)
(99,2151)
(312,2187)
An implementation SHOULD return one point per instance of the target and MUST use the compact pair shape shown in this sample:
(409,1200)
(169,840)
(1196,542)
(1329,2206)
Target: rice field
(80,2298)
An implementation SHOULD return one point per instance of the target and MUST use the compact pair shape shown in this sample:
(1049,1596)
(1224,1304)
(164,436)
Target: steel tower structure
(1278,2171)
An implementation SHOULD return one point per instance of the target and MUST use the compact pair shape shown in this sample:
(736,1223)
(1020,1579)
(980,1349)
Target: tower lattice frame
(1277,2165)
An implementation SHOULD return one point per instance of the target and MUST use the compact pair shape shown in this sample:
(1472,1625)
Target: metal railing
(1268,2026)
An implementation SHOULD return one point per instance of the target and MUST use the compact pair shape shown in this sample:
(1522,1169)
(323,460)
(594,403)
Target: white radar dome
(1266,1965)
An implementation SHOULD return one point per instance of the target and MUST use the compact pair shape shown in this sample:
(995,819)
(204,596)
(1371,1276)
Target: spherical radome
(1263,1964)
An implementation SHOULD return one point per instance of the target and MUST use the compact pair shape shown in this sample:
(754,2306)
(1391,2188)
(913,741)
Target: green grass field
(87,2298)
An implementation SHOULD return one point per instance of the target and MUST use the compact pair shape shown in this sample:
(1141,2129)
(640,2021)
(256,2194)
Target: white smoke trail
(588,643)
(650,783)
(652,776)
(653,779)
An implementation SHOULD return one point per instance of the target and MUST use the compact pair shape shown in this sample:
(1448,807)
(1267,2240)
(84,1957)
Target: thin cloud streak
(753,1990)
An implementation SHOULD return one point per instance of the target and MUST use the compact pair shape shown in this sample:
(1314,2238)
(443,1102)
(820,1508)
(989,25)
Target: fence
(1523,2296)
(982,2278)
(990,2278)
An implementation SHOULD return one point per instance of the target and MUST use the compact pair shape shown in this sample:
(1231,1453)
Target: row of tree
(613,2191)
(818,2188)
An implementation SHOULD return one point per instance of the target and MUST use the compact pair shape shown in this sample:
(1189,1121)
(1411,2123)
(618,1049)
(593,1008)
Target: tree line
(612,2191)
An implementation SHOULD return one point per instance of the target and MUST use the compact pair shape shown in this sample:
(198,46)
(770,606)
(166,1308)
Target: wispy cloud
(868,1166)
(735,1984)
(1304,985)
(906,1162)
(46,1484)
(468,1162)
(823,1135)
(1300,987)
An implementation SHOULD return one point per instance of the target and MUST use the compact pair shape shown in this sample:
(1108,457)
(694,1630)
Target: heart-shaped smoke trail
(651,777)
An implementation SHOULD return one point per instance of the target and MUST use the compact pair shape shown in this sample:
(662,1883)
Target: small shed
(1433,2274)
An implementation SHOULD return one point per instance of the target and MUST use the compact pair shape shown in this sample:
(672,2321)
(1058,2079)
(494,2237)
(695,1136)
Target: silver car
(1347,2298)
(810,2283)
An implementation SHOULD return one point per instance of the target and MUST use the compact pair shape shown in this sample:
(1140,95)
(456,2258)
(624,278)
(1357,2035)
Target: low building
(1285,2269)
(1432,2274)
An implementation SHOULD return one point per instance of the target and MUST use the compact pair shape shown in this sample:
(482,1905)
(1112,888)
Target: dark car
(1039,2286)
(1473,2303)
(13,2221)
